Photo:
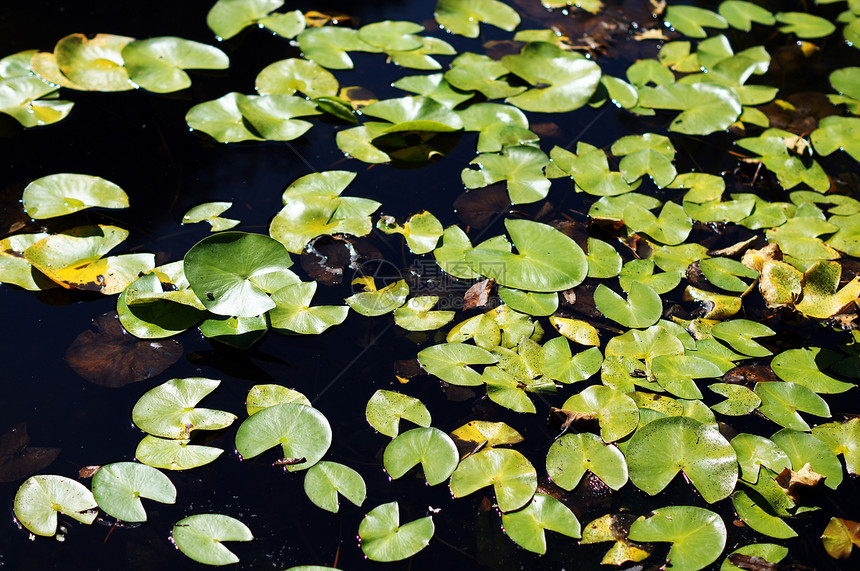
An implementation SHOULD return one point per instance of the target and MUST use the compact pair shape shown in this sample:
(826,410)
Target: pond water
(140,141)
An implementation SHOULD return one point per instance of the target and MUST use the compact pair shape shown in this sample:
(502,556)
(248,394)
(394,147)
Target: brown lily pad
(17,460)
(326,258)
(479,294)
(113,358)
(799,485)
(477,208)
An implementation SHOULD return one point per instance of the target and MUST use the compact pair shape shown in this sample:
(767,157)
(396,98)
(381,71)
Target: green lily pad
(589,168)
(840,537)
(223,271)
(464,16)
(658,450)
(384,539)
(168,409)
(477,72)
(40,498)
(774,146)
(415,113)
(430,447)
(505,389)
(200,537)
(641,309)
(798,366)
(118,488)
(572,455)
(726,274)
(420,58)
(328,45)
(835,133)
(740,15)
(642,271)
(264,396)
(692,21)
(546,261)
(273,116)
(416,314)
(229,17)
(391,36)
(741,335)
(526,526)
(357,143)
(739,399)
(434,86)
(847,238)
(325,480)
(803,448)
(647,344)
(707,107)
(158,64)
(210,212)
(512,476)
(301,431)
(222,119)
(698,536)
(604,261)
(522,167)
(14,269)
(616,412)
(842,438)
(422,231)
(781,401)
(675,373)
(373,302)
(570,78)
(386,408)
(499,126)
(649,154)
(807,26)
(169,454)
(96,63)
(294,313)
(745,503)
(237,332)
(482,433)
(61,194)
(20,98)
(529,302)
(558,363)
(287,76)
(755,451)
(450,362)
(671,227)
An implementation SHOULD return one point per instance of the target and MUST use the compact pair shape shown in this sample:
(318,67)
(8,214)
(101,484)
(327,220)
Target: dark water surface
(141,142)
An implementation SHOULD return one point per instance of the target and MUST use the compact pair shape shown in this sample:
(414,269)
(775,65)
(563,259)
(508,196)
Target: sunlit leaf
(804,25)
(741,15)
(641,309)
(464,16)
(229,17)
(430,447)
(325,480)
(264,396)
(94,63)
(386,408)
(698,535)
(200,537)
(40,498)
(118,488)
(739,399)
(754,451)
(158,64)
(168,410)
(522,167)
(512,476)
(842,438)
(169,454)
(803,448)
(526,526)
(422,230)
(840,536)
(384,539)
(706,107)
(572,455)
(287,76)
(417,314)
(691,21)
(301,431)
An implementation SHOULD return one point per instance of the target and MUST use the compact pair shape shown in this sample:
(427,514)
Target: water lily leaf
(357,143)
(286,25)
(698,535)
(477,72)
(847,238)
(222,119)
(450,362)
(726,273)
(415,113)
(822,297)
(300,430)
(507,390)
(20,99)
(780,284)
(781,401)
(512,476)
(791,169)
(572,455)
(157,64)
(614,528)
(294,313)
(757,517)
(40,498)
(420,58)
(589,168)
(286,77)
(435,87)
(264,396)
(522,167)
(17,64)
(422,230)
(391,36)
(229,17)
(740,334)
(325,480)
(168,409)
(272,116)
(118,488)
(576,330)
(558,363)
(647,344)
(478,434)
(740,15)
(842,438)
(169,454)
(416,314)
(641,309)
(237,332)
(658,450)
(835,133)
(840,536)
(537,304)
(200,537)
(386,408)
(603,260)
(571,78)
(672,226)
(804,25)
(375,302)
(526,526)
(692,21)
(96,63)
(739,399)
(799,366)
(61,194)
(649,154)
(546,261)
(675,373)
(210,212)
(755,451)
(328,46)
(707,108)
(803,448)
(499,126)
(642,271)
(463,17)
(616,412)
(384,539)
(430,447)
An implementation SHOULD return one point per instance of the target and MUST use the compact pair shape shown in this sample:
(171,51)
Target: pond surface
(140,141)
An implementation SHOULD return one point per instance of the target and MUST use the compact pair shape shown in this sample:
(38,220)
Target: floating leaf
(430,447)
(386,408)
(373,302)
(287,76)
(464,16)
(526,526)
(741,15)
(558,363)
(691,21)
(301,431)
(481,433)
(799,366)
(157,64)
(707,108)
(450,362)
(675,373)
(294,313)
(264,396)
(328,45)
(842,438)
(416,113)
(522,167)
(325,480)
(210,212)
(840,536)
(40,498)
(229,17)
(698,535)
(475,72)
(537,304)
(168,409)
(94,63)
(641,309)
(822,297)
(391,36)
(118,488)
(512,476)
(420,58)
(740,334)
(804,25)
(572,455)
(650,154)
(803,448)
(384,539)
(200,537)
(726,274)
(589,168)
(781,401)
(658,450)
(757,517)
(739,399)
(21,99)
(754,451)
(614,528)
(416,314)
(422,231)
(61,194)
(169,454)
(671,227)
(616,412)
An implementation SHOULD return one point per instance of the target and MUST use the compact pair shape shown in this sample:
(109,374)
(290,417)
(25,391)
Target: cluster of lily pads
(641,418)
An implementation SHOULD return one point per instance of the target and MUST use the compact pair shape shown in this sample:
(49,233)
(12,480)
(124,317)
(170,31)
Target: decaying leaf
(799,484)
(840,536)
(17,460)
(479,294)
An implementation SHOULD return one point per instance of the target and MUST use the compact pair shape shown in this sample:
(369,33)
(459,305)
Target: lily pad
(328,46)
(96,63)
(692,21)
(294,313)
(325,480)
(386,408)
(529,302)
(698,535)
(287,76)
(803,448)
(200,537)
(482,433)
(526,526)
(384,539)
(572,455)
(430,447)
(842,438)
(803,25)
(229,17)
(464,16)
(741,335)
(641,309)
(416,113)
(373,302)
(707,107)
(169,454)
(422,231)
(822,297)
(24,99)
(118,488)
(302,432)
(840,536)
(799,366)
(40,498)
(781,402)
(741,15)
(512,476)
(558,362)
(60,194)
(416,314)
(264,396)
(522,167)
(158,64)
(168,409)
(739,399)
(616,412)
(477,72)
(392,36)
(450,362)
(755,451)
